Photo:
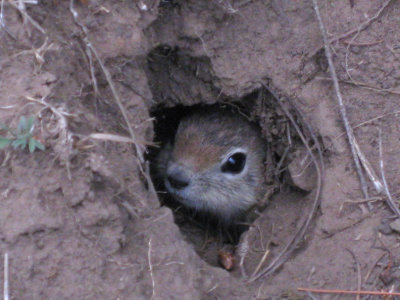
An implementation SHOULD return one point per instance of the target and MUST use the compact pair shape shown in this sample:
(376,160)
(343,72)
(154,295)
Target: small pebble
(385,229)
(395,225)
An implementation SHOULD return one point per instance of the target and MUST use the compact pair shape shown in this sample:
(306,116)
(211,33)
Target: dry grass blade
(364,86)
(349,131)
(117,138)
(5,288)
(7,107)
(39,52)
(153,283)
(3,23)
(111,137)
(368,168)
(262,260)
(243,249)
(319,167)
(139,150)
(343,292)
(358,272)
(21,8)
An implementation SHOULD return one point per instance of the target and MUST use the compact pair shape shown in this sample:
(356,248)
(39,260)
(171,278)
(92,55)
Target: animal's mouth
(175,193)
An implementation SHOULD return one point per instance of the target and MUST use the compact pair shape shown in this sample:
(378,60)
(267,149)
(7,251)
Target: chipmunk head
(215,164)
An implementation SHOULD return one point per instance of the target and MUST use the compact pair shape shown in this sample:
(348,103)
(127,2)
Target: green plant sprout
(22,136)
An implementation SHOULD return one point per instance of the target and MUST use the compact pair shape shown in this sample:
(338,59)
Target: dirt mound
(80,220)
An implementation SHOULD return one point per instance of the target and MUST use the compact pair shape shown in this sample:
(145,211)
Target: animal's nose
(177,179)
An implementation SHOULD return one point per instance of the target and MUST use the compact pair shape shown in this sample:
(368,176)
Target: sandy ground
(80,220)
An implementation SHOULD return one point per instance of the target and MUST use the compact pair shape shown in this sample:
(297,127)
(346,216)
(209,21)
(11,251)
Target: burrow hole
(181,84)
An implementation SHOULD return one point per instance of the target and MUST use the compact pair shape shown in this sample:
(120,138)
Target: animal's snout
(177,178)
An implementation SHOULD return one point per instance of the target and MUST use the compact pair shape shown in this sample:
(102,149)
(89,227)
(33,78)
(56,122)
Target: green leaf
(39,145)
(30,123)
(19,143)
(21,125)
(4,142)
(24,136)
(32,145)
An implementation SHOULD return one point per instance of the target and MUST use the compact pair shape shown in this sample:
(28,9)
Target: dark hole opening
(190,221)
(177,78)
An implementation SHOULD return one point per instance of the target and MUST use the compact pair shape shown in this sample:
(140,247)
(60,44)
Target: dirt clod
(79,220)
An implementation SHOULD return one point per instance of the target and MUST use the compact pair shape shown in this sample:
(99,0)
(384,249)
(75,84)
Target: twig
(92,71)
(242,251)
(28,17)
(389,199)
(311,296)
(1,13)
(350,134)
(364,86)
(117,138)
(7,107)
(373,266)
(374,119)
(87,48)
(111,84)
(358,272)
(3,23)
(120,105)
(368,168)
(262,260)
(329,233)
(39,52)
(343,292)
(346,59)
(361,44)
(151,271)
(5,289)
(371,199)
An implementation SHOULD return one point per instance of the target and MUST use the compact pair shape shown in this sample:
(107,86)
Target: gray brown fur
(203,142)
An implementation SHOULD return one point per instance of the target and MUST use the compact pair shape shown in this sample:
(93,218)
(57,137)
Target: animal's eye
(235,163)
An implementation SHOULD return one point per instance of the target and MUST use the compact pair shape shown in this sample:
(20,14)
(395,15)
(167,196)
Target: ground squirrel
(215,163)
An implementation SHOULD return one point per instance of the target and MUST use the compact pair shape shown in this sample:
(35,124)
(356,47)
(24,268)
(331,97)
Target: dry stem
(91,50)
(358,272)
(21,8)
(151,271)
(329,233)
(262,260)
(243,249)
(3,23)
(5,289)
(343,292)
(349,131)
(39,52)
